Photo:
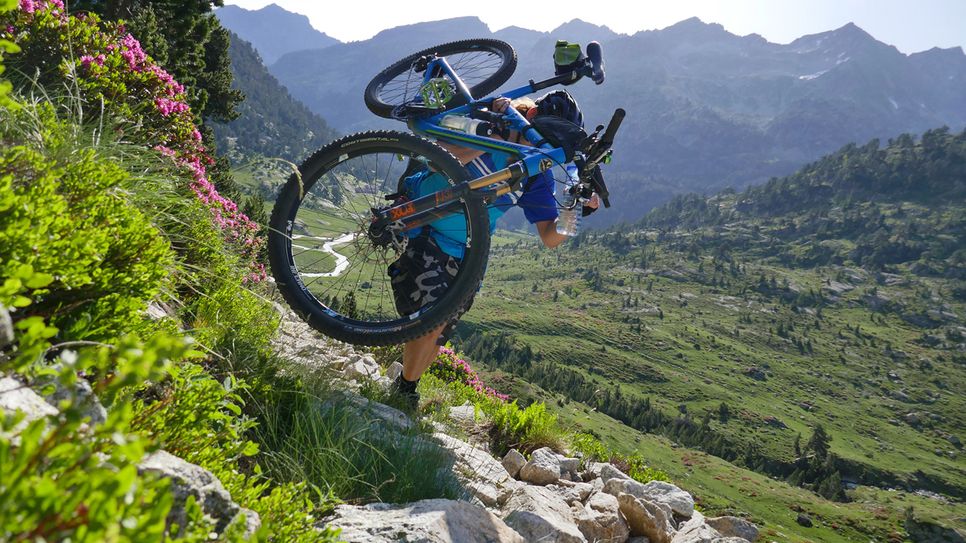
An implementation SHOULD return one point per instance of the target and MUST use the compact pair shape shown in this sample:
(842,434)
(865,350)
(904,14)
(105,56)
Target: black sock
(405,386)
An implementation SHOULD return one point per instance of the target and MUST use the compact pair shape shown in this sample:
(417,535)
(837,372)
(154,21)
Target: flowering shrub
(108,68)
(450,367)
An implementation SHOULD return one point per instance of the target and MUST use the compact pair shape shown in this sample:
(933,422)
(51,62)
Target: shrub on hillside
(62,213)
(107,71)
(451,367)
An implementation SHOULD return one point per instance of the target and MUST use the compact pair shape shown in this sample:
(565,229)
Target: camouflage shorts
(421,275)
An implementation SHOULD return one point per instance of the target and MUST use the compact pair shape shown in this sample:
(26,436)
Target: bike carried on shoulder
(339,223)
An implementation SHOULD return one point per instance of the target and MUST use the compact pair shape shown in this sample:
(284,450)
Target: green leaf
(39,280)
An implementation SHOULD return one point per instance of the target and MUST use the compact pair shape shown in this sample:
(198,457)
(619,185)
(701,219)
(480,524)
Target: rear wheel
(482,64)
(328,267)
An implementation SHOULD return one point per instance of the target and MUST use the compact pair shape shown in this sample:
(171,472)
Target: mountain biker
(433,253)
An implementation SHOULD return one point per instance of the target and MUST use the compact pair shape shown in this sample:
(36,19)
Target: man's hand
(591,205)
(500,104)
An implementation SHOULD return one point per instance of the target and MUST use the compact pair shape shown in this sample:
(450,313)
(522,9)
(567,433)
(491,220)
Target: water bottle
(568,219)
(467,125)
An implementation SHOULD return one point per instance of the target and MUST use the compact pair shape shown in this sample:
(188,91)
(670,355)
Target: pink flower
(27,6)
(87,60)
(167,106)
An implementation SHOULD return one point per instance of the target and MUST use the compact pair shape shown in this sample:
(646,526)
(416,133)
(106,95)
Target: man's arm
(548,233)
(464,154)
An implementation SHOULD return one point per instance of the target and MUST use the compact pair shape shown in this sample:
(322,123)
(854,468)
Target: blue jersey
(537,202)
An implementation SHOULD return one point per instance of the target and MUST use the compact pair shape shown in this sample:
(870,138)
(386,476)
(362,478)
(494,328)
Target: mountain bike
(339,222)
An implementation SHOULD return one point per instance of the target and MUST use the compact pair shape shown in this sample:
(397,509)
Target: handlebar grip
(615,123)
(596,57)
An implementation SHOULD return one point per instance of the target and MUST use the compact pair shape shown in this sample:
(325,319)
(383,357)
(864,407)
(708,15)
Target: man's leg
(419,354)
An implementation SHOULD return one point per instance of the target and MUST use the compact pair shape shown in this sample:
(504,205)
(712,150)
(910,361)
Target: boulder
(543,468)
(647,518)
(428,521)
(678,500)
(568,464)
(463,414)
(359,369)
(16,396)
(392,418)
(696,530)
(79,394)
(571,492)
(513,461)
(804,520)
(187,479)
(6,327)
(394,370)
(481,475)
(601,521)
(250,519)
(538,514)
(734,527)
(608,472)
(615,486)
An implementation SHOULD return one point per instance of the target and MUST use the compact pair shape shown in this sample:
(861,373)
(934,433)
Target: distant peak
(695,26)
(580,24)
(851,29)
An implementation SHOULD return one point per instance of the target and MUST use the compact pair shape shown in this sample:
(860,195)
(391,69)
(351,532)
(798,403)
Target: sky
(910,25)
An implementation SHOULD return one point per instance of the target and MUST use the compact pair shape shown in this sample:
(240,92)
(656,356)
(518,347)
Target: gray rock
(572,493)
(391,417)
(6,327)
(678,500)
(426,521)
(639,539)
(360,370)
(250,519)
(513,461)
(734,527)
(804,520)
(616,486)
(608,472)
(729,540)
(463,414)
(592,470)
(81,395)
(394,370)
(569,464)
(16,396)
(696,530)
(543,468)
(538,514)
(598,485)
(481,475)
(601,521)
(647,518)
(190,480)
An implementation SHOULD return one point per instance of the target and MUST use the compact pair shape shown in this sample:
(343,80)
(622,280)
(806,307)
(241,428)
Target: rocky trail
(547,497)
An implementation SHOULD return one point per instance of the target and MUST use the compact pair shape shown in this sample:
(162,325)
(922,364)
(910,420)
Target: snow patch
(810,77)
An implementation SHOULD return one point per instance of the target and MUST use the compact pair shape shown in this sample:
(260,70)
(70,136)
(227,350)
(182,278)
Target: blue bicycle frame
(531,159)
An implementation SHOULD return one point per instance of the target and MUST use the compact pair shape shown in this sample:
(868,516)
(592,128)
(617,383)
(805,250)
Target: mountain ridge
(707,109)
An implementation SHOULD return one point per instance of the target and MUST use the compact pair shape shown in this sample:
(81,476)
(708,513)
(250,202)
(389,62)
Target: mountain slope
(271,123)
(273,31)
(833,297)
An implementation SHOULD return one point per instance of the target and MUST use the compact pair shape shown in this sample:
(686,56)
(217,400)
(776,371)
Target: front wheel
(482,64)
(329,268)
